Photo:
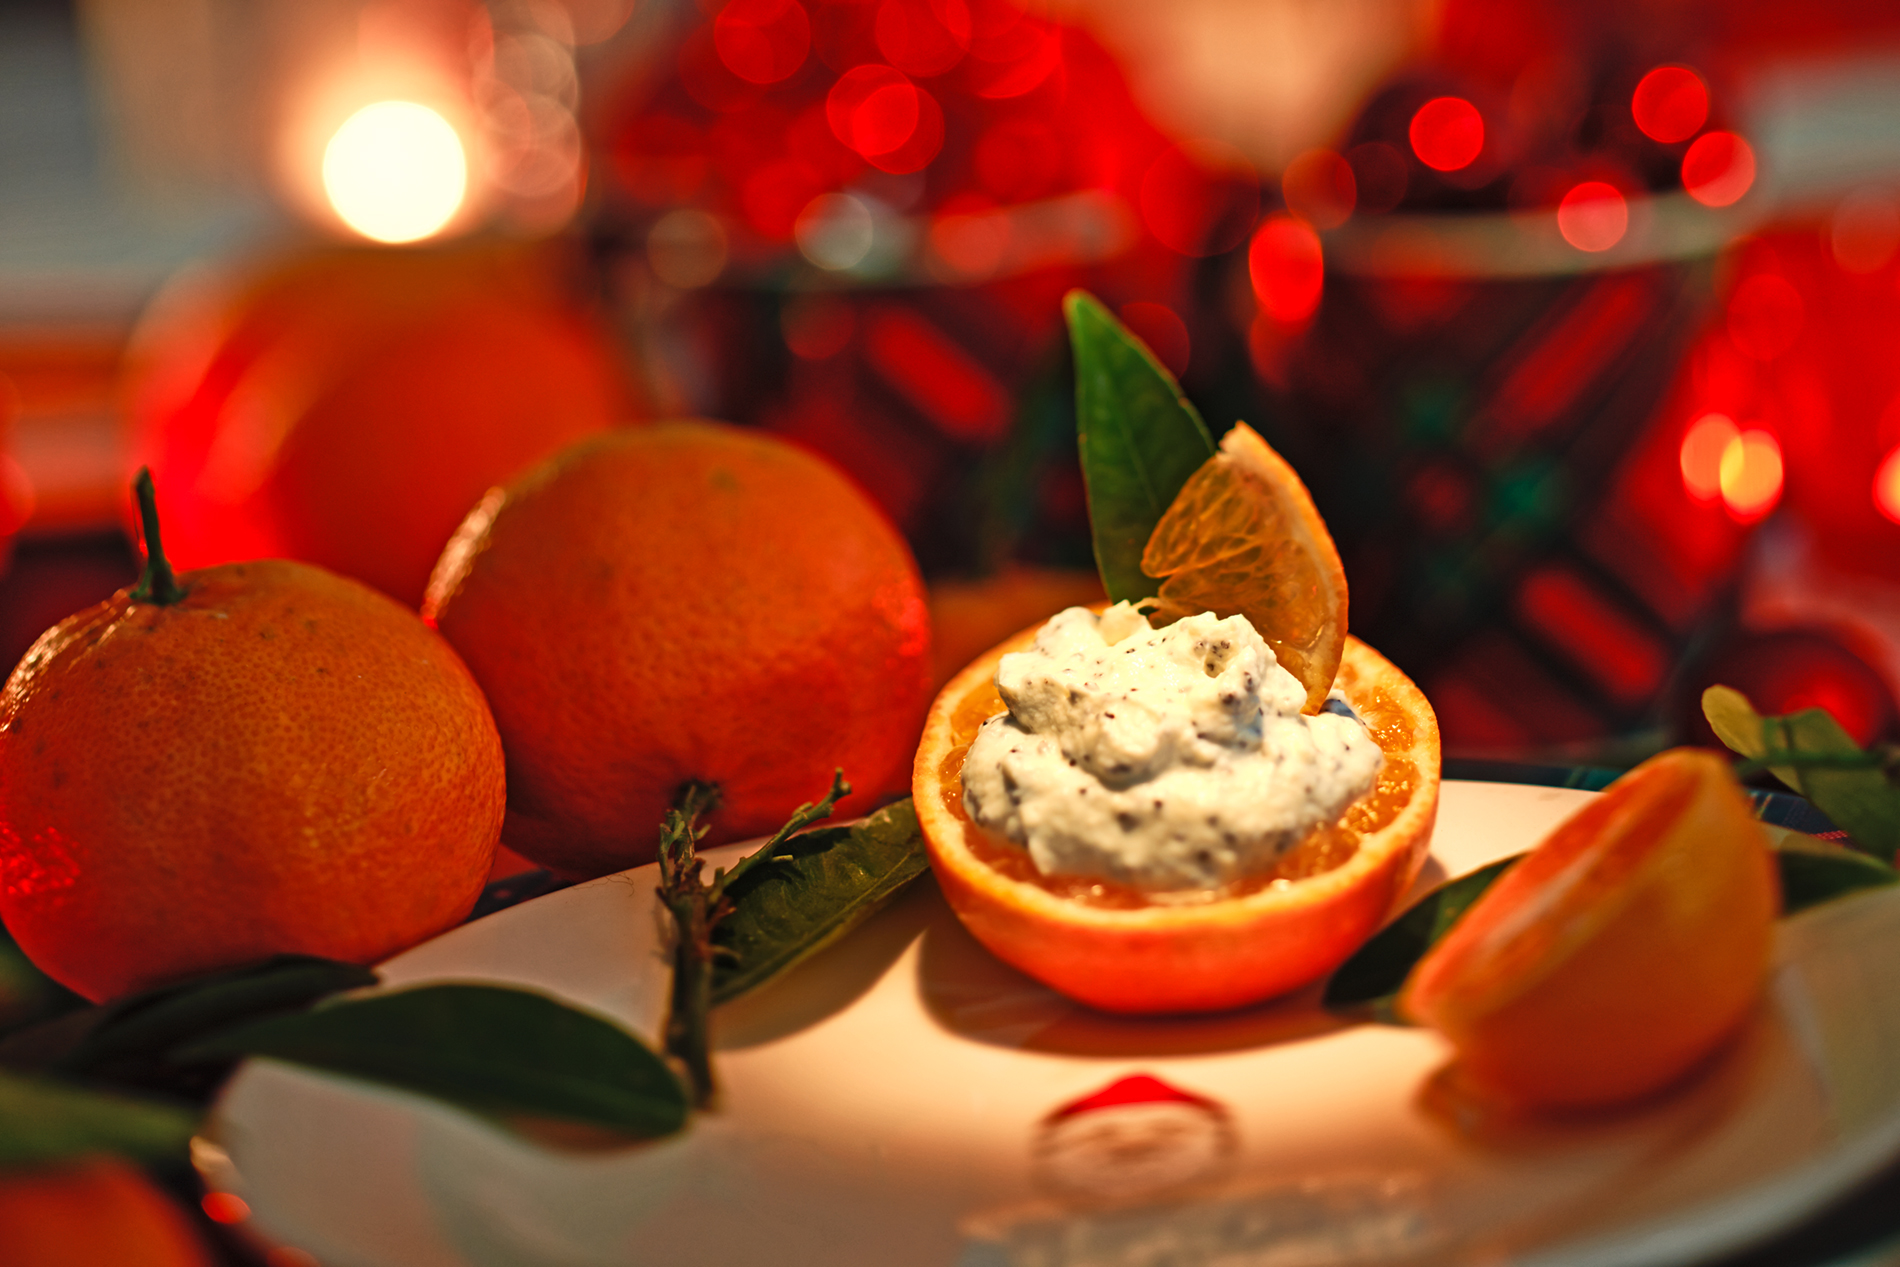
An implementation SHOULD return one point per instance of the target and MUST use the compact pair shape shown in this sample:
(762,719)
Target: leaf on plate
(488,1049)
(1139,440)
(1811,753)
(127,1042)
(1861,801)
(823,884)
(43,1120)
(1737,724)
(1372,977)
(1815,871)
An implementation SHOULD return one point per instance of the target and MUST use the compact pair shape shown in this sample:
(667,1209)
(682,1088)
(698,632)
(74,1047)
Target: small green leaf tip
(157,583)
(1139,440)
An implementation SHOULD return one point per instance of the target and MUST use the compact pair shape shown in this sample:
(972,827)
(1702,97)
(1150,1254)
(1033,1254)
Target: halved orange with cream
(1242,537)
(1118,949)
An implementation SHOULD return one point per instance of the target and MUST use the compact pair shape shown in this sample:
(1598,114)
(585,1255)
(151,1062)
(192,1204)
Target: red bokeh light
(1707,440)
(923,39)
(1012,53)
(1718,169)
(889,121)
(1593,216)
(1447,133)
(1670,104)
(872,109)
(1887,486)
(1287,267)
(762,41)
(225,1207)
(1751,475)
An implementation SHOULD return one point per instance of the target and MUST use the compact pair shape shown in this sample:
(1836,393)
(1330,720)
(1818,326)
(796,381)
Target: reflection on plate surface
(904,1098)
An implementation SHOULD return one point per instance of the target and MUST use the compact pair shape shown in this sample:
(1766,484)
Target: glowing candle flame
(395,171)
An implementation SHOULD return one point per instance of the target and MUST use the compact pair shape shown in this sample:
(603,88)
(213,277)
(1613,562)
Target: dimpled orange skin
(1197,957)
(686,601)
(285,760)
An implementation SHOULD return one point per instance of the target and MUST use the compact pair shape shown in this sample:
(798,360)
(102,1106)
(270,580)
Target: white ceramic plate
(906,1099)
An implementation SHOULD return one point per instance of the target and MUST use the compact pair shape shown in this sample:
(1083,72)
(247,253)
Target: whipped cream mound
(1166,759)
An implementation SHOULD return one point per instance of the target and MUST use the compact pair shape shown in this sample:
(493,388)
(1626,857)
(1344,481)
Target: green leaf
(1816,871)
(824,884)
(1861,802)
(1373,976)
(1139,439)
(488,1049)
(1737,724)
(43,1120)
(127,1042)
(1810,752)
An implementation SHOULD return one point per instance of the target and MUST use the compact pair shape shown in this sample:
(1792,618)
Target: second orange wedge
(1620,953)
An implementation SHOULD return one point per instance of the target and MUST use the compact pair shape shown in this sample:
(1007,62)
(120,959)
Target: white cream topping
(1167,759)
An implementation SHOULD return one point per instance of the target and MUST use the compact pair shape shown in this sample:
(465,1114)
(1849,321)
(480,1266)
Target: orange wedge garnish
(1617,955)
(1242,537)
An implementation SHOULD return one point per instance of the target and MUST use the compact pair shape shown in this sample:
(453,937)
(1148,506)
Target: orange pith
(1242,536)
(1620,953)
(1115,949)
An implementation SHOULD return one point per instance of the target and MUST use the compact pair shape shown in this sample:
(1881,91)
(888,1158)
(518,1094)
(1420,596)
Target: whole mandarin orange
(93,1211)
(688,601)
(279,760)
(347,407)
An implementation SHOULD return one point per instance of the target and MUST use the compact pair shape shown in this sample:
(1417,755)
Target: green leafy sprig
(1859,789)
(1139,440)
(697,907)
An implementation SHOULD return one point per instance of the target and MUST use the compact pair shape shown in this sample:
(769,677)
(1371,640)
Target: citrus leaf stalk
(158,584)
(697,907)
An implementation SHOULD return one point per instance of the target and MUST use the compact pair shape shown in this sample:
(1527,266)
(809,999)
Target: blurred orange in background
(347,408)
(93,1210)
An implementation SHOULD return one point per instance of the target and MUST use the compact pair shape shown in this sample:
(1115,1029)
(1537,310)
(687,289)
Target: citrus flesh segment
(1115,948)
(1243,537)
(1620,953)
